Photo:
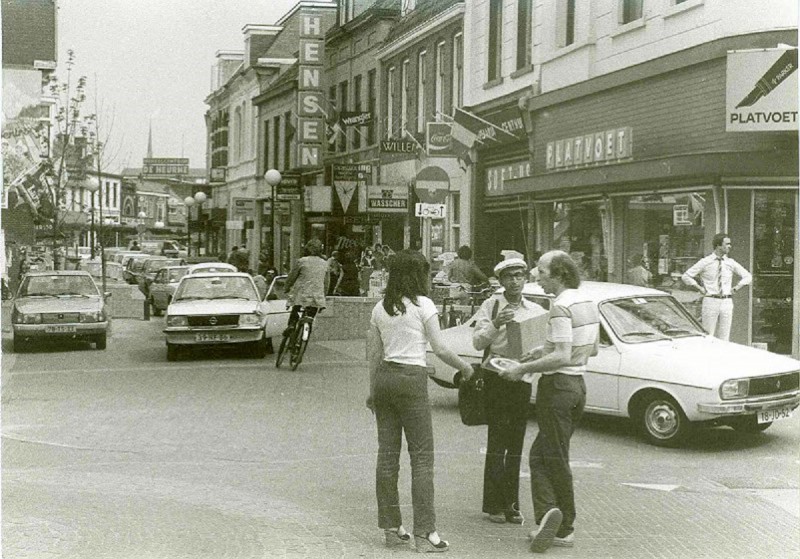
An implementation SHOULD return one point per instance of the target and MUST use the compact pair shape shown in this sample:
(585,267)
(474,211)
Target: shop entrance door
(774,219)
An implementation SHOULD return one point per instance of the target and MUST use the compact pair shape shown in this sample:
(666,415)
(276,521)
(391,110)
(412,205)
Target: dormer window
(408,7)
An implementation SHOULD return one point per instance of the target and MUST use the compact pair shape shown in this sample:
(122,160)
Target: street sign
(436,211)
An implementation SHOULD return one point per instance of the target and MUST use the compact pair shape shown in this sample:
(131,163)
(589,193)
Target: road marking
(653,486)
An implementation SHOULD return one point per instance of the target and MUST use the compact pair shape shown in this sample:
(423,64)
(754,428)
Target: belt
(719,296)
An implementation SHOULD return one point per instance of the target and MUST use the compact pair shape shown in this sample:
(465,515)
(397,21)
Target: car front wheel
(172,352)
(100,341)
(662,421)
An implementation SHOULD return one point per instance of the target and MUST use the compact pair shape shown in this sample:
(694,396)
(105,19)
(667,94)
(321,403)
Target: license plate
(212,337)
(59,329)
(767,416)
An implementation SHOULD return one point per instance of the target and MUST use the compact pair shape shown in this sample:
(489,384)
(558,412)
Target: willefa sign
(310,114)
(761,90)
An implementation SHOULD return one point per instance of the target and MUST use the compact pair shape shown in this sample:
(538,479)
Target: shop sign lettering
(387,198)
(309,110)
(496,176)
(608,146)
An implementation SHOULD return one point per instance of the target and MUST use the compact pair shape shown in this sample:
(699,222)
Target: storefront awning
(683,170)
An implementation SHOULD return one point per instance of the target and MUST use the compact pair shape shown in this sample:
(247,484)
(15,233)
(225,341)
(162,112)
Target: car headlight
(94,316)
(734,388)
(177,320)
(249,320)
(26,318)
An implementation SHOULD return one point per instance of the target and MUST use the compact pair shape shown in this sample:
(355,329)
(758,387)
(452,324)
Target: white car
(219,309)
(659,368)
(211,268)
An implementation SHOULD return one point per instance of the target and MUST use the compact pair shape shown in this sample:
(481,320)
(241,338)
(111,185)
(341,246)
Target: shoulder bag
(472,392)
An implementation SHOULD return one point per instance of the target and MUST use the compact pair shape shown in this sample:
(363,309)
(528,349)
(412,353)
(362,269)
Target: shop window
(774,218)
(665,234)
(582,230)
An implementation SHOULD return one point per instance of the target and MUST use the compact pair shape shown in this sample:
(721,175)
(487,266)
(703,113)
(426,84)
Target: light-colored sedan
(59,305)
(217,309)
(163,287)
(659,368)
(212,268)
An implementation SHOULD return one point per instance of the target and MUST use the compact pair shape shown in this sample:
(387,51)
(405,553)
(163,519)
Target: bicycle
(296,341)
(455,317)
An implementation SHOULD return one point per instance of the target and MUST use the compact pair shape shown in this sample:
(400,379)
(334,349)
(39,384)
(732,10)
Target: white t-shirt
(403,335)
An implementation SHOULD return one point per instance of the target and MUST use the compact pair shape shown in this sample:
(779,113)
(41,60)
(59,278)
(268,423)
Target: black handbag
(472,392)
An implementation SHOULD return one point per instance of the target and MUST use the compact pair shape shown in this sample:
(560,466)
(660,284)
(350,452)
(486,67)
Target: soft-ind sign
(761,90)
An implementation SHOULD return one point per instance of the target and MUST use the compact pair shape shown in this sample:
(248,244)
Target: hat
(509,263)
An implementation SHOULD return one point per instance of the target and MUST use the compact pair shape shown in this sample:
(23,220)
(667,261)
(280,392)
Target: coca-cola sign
(440,140)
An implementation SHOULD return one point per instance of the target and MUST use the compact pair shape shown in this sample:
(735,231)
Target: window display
(582,230)
(773,268)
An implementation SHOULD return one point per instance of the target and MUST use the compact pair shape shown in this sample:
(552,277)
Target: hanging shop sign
(498,174)
(761,90)
(346,179)
(387,198)
(439,140)
(310,115)
(508,120)
(398,146)
(358,118)
(608,146)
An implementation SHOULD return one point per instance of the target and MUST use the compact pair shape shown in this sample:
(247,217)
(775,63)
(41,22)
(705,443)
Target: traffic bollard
(146,310)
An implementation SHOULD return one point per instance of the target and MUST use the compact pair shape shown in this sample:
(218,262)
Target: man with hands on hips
(572,337)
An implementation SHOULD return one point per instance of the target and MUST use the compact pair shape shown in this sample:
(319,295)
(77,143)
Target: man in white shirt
(716,272)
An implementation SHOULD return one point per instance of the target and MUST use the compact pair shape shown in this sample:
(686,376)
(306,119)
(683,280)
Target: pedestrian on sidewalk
(572,337)
(506,401)
(403,323)
(716,273)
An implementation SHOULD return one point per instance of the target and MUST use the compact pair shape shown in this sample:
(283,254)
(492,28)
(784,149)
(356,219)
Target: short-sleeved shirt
(403,335)
(573,319)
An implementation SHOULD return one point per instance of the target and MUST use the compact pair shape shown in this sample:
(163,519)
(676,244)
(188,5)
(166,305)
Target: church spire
(150,142)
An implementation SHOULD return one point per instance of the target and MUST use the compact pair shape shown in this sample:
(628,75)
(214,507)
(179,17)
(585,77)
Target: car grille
(214,320)
(58,318)
(772,385)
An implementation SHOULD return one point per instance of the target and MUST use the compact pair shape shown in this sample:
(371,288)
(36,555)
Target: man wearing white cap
(506,402)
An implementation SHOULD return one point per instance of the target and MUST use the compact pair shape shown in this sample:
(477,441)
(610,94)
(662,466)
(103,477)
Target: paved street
(120,454)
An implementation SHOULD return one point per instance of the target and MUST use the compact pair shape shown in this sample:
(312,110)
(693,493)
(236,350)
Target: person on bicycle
(464,271)
(307,284)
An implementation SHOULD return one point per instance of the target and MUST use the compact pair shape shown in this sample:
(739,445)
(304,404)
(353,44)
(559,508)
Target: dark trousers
(294,316)
(507,410)
(560,400)
(402,406)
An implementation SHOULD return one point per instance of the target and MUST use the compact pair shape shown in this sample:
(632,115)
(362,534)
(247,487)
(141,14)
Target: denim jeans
(402,406)
(560,400)
(507,410)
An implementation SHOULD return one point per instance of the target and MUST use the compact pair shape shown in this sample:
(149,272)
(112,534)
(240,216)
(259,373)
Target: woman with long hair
(401,326)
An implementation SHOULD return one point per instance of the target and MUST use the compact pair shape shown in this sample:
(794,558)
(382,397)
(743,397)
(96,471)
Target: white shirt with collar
(485,334)
(707,270)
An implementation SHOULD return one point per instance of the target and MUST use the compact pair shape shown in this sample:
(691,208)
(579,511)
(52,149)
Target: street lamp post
(273,178)
(92,185)
(189,201)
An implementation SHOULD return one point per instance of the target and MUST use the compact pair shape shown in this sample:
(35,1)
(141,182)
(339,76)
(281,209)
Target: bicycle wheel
(282,351)
(296,356)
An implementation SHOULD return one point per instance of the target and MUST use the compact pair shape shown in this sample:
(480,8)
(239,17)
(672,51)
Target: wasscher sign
(761,90)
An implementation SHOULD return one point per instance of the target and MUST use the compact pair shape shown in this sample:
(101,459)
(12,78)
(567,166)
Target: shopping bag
(472,399)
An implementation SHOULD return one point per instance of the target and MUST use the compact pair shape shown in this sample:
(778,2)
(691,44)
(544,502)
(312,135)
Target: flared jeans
(402,406)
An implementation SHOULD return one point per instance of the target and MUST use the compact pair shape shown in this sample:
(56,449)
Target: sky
(150,61)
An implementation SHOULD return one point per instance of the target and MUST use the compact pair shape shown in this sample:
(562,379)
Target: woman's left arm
(374,358)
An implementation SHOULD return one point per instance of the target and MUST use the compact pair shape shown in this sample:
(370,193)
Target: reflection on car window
(55,285)
(176,275)
(647,319)
(218,287)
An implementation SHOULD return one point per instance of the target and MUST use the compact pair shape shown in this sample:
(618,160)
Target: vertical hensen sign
(310,116)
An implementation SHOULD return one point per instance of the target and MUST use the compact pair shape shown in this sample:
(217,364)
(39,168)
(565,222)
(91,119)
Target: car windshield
(154,265)
(176,275)
(648,319)
(58,286)
(217,287)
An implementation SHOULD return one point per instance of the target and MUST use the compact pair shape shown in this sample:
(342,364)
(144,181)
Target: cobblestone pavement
(120,454)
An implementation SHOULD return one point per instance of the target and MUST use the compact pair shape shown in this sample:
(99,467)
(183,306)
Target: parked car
(132,265)
(149,269)
(163,287)
(659,368)
(163,248)
(214,309)
(59,305)
(212,268)
(277,309)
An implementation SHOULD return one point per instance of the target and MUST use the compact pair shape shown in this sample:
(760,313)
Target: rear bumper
(751,405)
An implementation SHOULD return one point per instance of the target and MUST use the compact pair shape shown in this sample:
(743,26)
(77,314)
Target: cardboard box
(526,331)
